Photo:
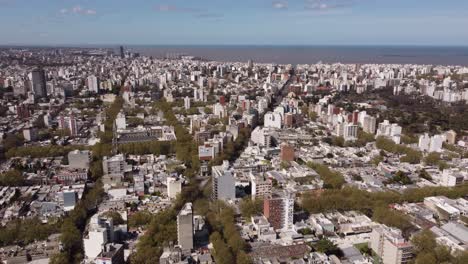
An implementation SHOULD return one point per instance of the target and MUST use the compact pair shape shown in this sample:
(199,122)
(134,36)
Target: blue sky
(259,22)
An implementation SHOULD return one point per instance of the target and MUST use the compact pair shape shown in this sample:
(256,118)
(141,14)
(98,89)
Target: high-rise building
(122,52)
(350,131)
(69,124)
(38,83)
(69,200)
(279,210)
(93,84)
(185,227)
(369,124)
(224,185)
(390,246)
(187,103)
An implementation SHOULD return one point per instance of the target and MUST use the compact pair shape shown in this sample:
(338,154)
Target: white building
(273,120)
(261,137)
(224,185)
(451,178)
(392,131)
(350,131)
(93,84)
(100,232)
(120,121)
(390,245)
(219,110)
(187,103)
(174,187)
(369,124)
(431,144)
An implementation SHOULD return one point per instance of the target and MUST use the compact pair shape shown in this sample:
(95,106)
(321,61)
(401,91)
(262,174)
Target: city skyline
(260,22)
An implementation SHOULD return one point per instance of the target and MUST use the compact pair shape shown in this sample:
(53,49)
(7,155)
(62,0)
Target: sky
(234,22)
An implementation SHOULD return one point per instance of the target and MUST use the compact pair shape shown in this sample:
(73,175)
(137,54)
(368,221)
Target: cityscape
(232,139)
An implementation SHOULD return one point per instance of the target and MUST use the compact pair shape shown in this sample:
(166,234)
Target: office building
(122,52)
(38,83)
(390,246)
(224,185)
(369,124)
(69,200)
(350,131)
(279,210)
(115,165)
(93,84)
(185,227)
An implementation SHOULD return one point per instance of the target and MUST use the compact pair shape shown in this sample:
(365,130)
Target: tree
(324,245)
(249,207)
(70,237)
(59,258)
(11,178)
(115,216)
(425,258)
(243,258)
(424,241)
(140,218)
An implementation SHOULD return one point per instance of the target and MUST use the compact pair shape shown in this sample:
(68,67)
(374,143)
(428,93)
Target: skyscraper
(93,84)
(185,227)
(38,83)
(122,52)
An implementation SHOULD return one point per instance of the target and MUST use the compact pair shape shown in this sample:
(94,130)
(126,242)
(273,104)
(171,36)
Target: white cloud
(78,10)
(280,4)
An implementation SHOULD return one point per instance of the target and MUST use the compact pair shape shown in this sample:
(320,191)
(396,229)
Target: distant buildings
(431,144)
(391,131)
(185,227)
(279,210)
(390,246)
(224,185)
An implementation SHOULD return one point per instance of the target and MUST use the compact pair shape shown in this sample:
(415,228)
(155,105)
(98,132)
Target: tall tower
(122,52)
(185,227)
(38,83)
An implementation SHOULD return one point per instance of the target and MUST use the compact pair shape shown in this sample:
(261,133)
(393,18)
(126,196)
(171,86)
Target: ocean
(313,54)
